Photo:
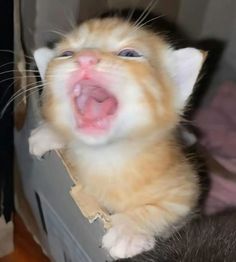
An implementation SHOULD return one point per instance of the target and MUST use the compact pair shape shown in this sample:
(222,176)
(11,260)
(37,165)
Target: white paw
(42,140)
(122,241)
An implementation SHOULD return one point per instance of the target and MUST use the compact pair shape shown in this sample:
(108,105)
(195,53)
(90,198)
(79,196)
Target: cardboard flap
(88,205)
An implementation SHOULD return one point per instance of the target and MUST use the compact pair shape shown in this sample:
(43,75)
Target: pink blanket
(217,123)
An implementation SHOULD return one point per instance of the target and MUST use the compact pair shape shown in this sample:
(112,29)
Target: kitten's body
(117,117)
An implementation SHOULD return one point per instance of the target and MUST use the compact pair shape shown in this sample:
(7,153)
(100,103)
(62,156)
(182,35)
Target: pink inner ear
(95,103)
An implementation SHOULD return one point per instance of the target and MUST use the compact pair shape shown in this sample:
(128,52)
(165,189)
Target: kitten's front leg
(125,239)
(134,232)
(43,139)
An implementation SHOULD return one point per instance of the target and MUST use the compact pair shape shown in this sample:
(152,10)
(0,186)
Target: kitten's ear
(42,57)
(185,66)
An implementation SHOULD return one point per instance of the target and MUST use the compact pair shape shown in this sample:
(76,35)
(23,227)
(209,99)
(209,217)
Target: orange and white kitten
(113,97)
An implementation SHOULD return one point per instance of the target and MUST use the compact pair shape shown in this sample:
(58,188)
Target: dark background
(6,121)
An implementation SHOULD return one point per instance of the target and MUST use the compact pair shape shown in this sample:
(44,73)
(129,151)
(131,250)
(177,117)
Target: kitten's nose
(87,58)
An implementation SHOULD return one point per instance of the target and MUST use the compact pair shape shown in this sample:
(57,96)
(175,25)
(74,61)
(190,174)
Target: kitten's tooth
(101,123)
(81,101)
(105,123)
(80,121)
(77,90)
(98,123)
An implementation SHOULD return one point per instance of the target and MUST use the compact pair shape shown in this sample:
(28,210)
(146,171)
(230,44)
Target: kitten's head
(108,80)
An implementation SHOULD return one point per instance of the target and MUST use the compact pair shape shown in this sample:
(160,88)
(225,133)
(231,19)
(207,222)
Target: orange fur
(142,178)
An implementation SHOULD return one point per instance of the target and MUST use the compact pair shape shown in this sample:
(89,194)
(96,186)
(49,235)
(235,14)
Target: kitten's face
(108,81)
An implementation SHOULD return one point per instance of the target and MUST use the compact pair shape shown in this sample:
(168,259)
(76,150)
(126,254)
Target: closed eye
(67,53)
(129,53)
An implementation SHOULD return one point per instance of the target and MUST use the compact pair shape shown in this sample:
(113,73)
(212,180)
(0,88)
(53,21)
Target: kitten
(113,96)
(204,239)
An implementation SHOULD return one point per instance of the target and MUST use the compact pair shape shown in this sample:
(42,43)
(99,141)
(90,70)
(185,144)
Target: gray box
(65,234)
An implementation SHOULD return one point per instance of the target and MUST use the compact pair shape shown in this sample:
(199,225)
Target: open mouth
(94,106)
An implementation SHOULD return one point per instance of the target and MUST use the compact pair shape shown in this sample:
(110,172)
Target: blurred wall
(43,20)
(215,19)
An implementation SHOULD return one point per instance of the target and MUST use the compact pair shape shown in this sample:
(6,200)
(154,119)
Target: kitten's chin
(94,140)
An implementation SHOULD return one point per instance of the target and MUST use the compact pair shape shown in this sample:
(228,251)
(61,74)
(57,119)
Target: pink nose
(87,58)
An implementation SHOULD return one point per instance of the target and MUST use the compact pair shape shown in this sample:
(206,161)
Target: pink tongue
(95,103)
(98,110)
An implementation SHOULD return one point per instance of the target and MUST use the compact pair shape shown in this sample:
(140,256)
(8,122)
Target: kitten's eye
(66,54)
(129,53)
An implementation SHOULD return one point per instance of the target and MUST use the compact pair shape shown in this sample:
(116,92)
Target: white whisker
(16,77)
(18,95)
(12,52)
(27,96)
(146,10)
(150,20)
(153,3)
(61,34)
(15,70)
(9,63)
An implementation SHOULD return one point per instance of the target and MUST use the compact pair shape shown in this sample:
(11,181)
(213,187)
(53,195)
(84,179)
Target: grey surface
(213,19)
(50,180)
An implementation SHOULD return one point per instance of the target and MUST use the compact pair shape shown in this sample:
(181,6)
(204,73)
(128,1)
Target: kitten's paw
(123,241)
(42,140)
